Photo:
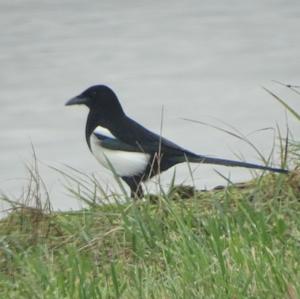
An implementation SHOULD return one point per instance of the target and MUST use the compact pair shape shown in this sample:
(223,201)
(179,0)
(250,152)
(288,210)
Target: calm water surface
(203,60)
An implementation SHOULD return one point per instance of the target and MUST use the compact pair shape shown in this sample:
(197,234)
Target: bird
(130,150)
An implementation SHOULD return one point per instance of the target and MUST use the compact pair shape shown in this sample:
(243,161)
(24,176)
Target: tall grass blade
(289,108)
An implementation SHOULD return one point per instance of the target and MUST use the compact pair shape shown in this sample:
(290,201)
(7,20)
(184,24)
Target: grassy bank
(242,241)
(232,243)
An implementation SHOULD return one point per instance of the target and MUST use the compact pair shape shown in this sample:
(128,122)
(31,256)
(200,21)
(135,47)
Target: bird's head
(99,99)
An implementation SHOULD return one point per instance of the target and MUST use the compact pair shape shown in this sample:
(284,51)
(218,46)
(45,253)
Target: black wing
(138,138)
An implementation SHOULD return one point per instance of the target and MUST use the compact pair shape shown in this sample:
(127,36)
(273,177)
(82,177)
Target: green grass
(242,241)
(231,243)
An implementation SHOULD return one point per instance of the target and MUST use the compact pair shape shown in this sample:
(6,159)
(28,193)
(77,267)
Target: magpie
(130,150)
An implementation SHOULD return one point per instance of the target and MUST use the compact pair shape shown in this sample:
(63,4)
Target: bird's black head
(99,99)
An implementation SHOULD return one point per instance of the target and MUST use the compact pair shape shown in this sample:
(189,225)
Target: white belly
(123,163)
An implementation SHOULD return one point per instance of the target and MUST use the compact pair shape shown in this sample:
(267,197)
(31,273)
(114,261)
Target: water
(197,59)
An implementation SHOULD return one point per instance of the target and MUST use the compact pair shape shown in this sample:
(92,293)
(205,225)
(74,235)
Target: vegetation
(240,241)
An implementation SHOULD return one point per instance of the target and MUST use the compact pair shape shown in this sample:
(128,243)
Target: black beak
(79,100)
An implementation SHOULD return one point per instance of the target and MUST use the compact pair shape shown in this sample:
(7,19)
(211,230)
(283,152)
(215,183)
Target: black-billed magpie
(132,151)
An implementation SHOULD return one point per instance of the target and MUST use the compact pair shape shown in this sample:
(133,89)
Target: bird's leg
(135,185)
(138,193)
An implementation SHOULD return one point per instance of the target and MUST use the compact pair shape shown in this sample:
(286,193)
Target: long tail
(217,161)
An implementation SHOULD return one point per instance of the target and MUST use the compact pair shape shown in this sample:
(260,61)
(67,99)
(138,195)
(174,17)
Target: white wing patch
(124,163)
(104,132)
